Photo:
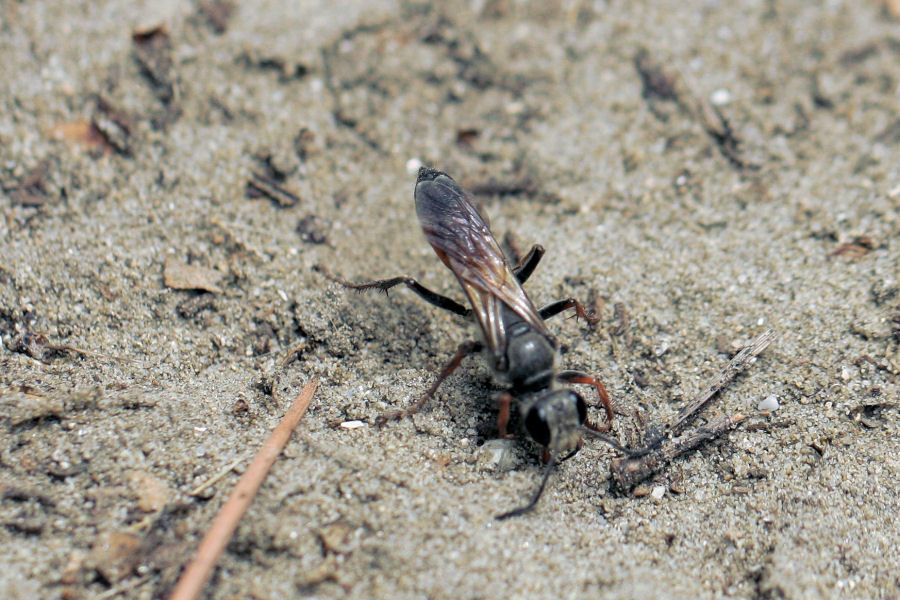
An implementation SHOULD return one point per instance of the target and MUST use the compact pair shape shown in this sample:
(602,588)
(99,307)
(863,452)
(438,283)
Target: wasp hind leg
(383,285)
(465,349)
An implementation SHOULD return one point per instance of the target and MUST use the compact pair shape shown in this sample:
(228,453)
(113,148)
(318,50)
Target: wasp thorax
(530,359)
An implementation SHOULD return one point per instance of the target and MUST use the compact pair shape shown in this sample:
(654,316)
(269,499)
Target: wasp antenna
(534,500)
(607,440)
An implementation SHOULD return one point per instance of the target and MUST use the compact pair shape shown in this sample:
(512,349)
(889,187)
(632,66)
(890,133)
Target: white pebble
(720,97)
(658,492)
(352,424)
(412,166)
(769,404)
(497,455)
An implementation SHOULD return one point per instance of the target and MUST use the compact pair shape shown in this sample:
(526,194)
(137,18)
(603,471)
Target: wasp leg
(464,350)
(528,264)
(504,399)
(384,285)
(551,310)
(579,377)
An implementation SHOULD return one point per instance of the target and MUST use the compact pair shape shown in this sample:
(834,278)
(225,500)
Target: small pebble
(658,492)
(412,166)
(352,424)
(720,97)
(769,404)
(497,455)
(640,491)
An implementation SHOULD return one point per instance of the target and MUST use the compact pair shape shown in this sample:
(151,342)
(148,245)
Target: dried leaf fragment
(152,493)
(20,407)
(114,555)
(179,275)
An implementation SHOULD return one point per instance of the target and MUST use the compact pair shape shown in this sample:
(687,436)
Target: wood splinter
(641,464)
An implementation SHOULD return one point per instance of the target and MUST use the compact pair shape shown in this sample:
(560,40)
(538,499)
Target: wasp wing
(459,234)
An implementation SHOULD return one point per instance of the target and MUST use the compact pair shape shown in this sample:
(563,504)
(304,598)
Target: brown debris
(622,317)
(263,339)
(31,191)
(153,54)
(867,413)
(260,185)
(657,83)
(669,85)
(313,229)
(628,472)
(20,493)
(83,134)
(217,13)
(640,378)
(304,143)
(855,249)
(639,465)
(19,336)
(73,571)
(182,276)
(727,345)
(114,555)
(337,538)
(114,126)
(29,510)
(327,570)
(191,307)
(22,407)
(152,493)
(286,68)
(466,137)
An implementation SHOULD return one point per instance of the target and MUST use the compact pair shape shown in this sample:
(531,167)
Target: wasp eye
(537,428)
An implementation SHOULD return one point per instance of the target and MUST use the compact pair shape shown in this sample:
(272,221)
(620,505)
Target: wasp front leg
(504,400)
(551,310)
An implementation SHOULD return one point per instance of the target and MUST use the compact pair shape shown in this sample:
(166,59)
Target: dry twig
(213,544)
(638,465)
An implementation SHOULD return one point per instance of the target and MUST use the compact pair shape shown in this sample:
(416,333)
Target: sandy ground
(699,171)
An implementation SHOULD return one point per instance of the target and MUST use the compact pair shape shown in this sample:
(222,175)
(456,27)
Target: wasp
(515,340)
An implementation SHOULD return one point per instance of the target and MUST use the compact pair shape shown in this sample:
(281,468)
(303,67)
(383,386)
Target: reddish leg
(551,310)
(464,350)
(584,378)
(504,399)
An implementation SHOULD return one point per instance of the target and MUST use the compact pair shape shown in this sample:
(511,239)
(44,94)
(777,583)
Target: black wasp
(520,349)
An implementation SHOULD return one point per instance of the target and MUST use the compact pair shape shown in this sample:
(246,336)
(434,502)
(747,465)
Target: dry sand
(752,181)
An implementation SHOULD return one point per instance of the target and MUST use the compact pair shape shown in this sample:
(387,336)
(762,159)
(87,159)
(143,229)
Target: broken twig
(638,465)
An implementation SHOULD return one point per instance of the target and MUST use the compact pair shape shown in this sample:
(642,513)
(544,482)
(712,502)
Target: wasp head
(555,420)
